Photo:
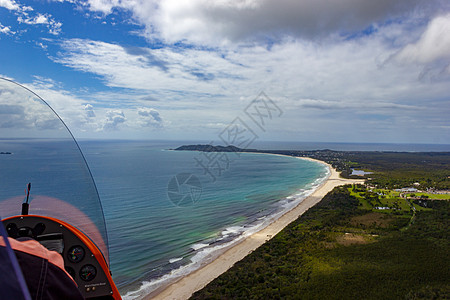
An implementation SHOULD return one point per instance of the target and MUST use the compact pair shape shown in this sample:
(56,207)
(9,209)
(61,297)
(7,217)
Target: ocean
(154,237)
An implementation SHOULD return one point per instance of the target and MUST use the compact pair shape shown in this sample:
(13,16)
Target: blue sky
(338,71)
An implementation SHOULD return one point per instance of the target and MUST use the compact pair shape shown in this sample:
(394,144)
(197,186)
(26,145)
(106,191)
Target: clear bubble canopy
(36,147)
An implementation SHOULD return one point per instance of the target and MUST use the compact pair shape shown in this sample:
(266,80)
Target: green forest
(359,242)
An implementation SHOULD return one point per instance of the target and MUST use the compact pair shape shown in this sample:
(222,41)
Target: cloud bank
(217,22)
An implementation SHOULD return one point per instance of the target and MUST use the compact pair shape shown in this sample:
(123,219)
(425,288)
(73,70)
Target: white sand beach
(184,287)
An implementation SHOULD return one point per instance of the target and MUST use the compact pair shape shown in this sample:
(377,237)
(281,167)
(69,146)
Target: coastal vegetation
(357,243)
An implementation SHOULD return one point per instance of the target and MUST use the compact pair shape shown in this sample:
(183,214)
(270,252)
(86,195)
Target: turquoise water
(152,239)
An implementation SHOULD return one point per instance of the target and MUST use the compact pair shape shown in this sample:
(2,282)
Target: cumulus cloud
(433,46)
(53,26)
(89,111)
(39,19)
(103,6)
(9,4)
(6,29)
(114,118)
(149,117)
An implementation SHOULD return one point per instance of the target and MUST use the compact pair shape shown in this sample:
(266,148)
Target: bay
(152,238)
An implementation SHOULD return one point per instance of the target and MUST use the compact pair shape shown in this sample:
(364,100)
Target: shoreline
(184,287)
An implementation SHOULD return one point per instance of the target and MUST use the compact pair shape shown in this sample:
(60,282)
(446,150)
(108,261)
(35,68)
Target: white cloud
(42,45)
(6,29)
(113,119)
(3,76)
(190,70)
(433,45)
(14,6)
(53,26)
(149,117)
(89,111)
(90,115)
(40,19)
(26,15)
(202,21)
(103,6)
(44,82)
(217,22)
(23,111)
(62,1)
(75,111)
(9,4)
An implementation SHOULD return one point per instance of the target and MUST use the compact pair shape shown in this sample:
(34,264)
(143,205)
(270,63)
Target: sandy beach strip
(186,286)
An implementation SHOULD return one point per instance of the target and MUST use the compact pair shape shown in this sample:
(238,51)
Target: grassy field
(346,248)
(430,196)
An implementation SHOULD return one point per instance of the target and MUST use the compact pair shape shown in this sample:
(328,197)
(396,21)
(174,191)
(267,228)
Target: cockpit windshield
(36,147)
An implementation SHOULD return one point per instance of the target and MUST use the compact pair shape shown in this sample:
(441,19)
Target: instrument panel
(81,258)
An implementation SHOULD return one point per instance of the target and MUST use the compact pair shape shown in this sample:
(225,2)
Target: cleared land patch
(372,219)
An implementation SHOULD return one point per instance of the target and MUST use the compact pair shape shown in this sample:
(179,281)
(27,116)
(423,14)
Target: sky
(285,70)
